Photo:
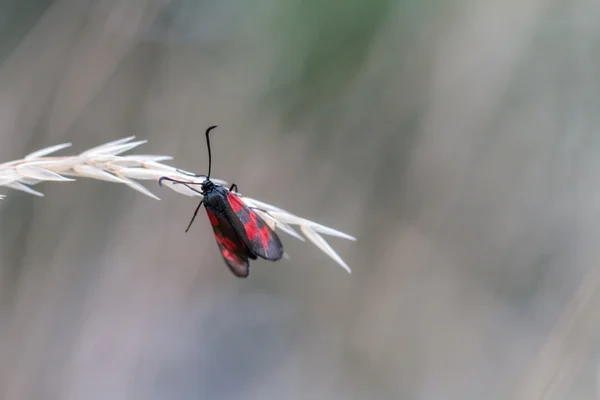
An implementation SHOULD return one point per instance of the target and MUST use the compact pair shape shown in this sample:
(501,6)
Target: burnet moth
(240,233)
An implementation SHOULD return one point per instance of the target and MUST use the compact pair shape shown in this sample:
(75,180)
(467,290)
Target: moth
(240,232)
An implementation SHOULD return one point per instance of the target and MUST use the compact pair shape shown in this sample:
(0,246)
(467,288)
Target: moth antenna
(208,146)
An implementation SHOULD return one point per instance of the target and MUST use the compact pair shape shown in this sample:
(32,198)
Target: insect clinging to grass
(240,232)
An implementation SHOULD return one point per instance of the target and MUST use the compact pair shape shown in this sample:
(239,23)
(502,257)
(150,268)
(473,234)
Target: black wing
(234,251)
(252,230)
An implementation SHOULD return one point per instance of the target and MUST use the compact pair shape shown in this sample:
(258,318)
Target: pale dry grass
(105,163)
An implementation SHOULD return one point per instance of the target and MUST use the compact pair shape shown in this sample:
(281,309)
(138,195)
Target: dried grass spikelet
(105,163)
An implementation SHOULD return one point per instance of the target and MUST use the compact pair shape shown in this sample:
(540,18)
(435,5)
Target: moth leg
(259,209)
(166,178)
(233,186)
(194,217)
(190,173)
(186,184)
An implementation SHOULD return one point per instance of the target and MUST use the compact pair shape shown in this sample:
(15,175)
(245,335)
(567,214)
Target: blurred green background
(458,141)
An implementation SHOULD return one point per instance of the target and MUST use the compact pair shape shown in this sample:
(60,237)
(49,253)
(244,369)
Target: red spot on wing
(265,235)
(230,256)
(211,217)
(263,232)
(251,228)
(235,202)
(226,242)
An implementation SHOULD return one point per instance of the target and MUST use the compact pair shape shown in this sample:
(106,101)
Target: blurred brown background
(458,141)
